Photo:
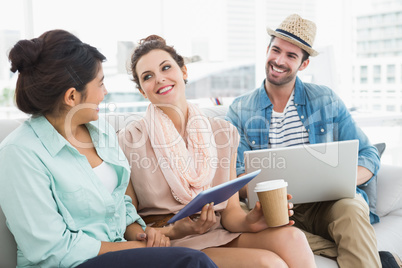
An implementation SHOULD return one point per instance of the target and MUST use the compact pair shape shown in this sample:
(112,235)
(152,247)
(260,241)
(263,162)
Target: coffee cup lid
(270,185)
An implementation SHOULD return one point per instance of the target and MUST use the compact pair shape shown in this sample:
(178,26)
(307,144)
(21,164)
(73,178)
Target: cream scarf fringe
(187,170)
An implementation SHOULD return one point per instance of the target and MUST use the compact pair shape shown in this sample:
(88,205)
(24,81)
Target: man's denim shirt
(322,113)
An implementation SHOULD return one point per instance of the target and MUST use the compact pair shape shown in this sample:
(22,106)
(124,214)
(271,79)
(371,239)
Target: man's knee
(350,208)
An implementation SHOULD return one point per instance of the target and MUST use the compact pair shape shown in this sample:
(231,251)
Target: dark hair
(305,54)
(148,44)
(48,66)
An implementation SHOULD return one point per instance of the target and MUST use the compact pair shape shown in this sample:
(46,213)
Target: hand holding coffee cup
(273,198)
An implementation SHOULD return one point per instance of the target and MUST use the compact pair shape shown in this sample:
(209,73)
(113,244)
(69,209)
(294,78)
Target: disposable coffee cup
(273,198)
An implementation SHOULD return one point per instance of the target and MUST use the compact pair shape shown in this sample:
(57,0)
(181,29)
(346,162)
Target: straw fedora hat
(298,31)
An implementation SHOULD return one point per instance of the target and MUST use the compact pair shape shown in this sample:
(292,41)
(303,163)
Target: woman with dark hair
(175,152)
(63,176)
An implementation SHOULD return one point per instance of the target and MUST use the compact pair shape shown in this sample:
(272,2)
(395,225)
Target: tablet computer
(216,194)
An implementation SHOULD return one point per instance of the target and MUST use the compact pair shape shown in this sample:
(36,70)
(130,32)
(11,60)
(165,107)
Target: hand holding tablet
(216,194)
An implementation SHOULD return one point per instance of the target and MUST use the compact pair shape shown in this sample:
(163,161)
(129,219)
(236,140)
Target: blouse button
(253,142)
(322,130)
(302,117)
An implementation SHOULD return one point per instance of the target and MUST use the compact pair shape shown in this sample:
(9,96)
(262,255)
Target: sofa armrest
(389,189)
(8,247)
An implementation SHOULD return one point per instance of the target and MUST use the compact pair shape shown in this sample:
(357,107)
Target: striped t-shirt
(286,128)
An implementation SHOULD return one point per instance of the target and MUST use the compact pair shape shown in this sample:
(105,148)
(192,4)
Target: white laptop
(314,172)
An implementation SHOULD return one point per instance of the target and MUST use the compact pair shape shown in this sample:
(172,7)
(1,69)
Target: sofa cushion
(389,190)
(8,247)
(388,232)
(8,125)
(371,188)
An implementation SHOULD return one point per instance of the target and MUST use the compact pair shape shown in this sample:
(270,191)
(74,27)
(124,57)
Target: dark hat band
(286,33)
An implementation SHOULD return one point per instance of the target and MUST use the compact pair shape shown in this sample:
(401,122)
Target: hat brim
(308,49)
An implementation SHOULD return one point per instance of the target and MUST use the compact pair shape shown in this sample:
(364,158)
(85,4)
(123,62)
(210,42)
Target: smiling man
(283,112)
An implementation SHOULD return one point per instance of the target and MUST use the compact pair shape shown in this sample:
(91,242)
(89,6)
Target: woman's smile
(165,90)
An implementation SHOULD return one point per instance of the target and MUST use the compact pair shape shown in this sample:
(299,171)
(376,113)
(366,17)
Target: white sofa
(389,199)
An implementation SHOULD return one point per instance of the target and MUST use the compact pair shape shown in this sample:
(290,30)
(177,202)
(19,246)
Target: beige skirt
(215,237)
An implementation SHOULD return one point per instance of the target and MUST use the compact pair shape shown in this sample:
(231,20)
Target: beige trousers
(340,229)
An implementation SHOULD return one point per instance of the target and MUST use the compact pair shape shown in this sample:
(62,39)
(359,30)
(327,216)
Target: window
(362,21)
(401,75)
(364,33)
(390,73)
(375,45)
(388,44)
(390,108)
(376,19)
(376,107)
(363,74)
(399,16)
(399,42)
(377,74)
(389,31)
(390,18)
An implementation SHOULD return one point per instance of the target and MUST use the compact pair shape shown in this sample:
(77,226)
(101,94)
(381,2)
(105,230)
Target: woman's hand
(255,218)
(154,238)
(201,225)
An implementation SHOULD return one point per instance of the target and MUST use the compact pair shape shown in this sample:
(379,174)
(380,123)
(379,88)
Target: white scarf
(188,171)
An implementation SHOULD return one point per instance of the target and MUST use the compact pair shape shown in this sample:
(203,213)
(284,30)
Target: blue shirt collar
(48,135)
(54,142)
(265,102)
(300,94)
